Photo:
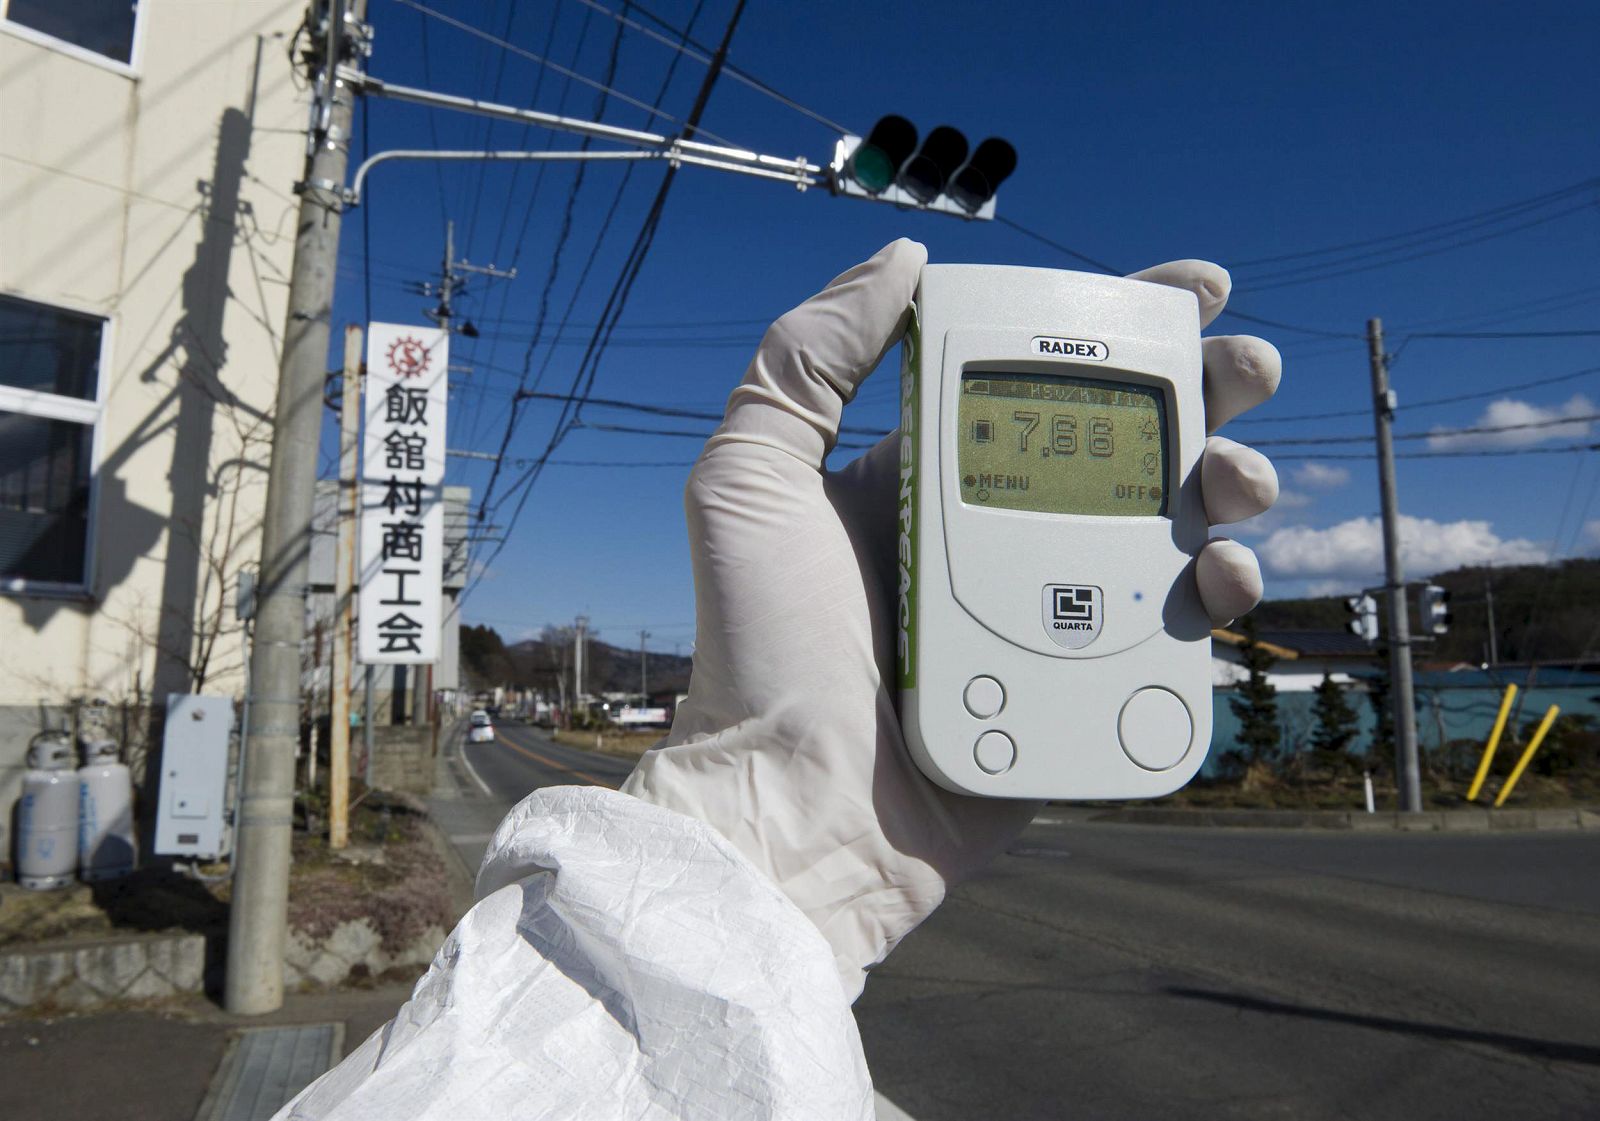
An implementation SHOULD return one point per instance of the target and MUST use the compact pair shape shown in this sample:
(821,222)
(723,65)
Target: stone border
(89,974)
(1429,821)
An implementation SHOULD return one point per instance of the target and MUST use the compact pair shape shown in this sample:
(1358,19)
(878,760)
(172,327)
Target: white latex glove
(789,744)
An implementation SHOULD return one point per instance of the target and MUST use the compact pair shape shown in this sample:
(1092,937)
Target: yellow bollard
(1494,742)
(1533,745)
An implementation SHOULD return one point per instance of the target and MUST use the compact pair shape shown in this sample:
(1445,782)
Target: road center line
(534,755)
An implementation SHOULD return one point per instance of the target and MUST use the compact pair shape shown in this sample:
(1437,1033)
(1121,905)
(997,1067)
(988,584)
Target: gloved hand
(789,744)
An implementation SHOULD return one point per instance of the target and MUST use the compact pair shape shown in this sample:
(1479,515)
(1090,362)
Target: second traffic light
(1364,623)
(941,173)
(1433,608)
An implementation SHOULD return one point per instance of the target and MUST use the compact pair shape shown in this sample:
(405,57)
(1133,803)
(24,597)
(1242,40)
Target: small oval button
(995,752)
(984,697)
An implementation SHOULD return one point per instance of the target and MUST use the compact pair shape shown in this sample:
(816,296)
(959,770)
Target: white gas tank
(47,817)
(106,844)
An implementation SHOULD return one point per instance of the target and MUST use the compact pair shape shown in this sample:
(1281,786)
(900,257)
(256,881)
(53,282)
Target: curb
(463,880)
(1354,821)
(81,975)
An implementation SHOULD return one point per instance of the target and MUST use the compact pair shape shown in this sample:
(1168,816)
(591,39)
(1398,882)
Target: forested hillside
(1541,613)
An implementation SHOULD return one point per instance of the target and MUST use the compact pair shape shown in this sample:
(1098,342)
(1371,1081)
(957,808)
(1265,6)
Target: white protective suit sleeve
(622,961)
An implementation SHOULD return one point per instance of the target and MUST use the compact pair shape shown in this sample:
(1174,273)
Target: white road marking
(471,838)
(461,753)
(886,1110)
(1049,821)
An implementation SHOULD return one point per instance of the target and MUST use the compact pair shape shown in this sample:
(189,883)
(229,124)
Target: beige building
(147,155)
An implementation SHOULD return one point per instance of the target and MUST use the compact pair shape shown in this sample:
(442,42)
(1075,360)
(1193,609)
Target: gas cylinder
(106,847)
(47,817)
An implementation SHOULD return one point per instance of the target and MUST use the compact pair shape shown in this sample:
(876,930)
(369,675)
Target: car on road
(480,727)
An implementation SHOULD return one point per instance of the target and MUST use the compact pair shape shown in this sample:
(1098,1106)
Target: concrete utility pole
(580,643)
(643,681)
(258,915)
(344,580)
(1488,599)
(1407,772)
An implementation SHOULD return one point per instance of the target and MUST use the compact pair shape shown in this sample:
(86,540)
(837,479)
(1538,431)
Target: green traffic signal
(877,158)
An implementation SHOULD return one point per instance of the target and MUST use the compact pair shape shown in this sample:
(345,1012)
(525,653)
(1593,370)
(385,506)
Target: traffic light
(941,173)
(1364,623)
(1433,608)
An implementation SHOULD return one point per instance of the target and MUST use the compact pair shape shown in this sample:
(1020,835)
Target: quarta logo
(1073,614)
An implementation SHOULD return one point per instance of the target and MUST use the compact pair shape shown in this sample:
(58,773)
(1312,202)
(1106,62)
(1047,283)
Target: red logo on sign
(408,358)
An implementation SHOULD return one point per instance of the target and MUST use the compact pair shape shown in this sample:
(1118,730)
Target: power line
(1453,226)
(699,435)
(1289,281)
(1480,454)
(533,196)
(619,293)
(673,411)
(699,54)
(1084,258)
(1585,334)
(504,45)
(1476,395)
(1434,434)
(544,299)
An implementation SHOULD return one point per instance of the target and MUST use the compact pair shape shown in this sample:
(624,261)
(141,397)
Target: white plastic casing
(1105,720)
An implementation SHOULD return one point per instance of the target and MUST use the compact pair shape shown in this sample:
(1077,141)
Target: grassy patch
(625,745)
(391,875)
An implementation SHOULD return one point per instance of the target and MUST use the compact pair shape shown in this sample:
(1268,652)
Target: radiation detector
(1051,642)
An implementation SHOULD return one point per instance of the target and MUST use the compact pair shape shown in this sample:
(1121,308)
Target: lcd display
(1061,445)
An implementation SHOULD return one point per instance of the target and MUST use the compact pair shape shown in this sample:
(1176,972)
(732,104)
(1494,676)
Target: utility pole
(451,283)
(1407,772)
(1488,599)
(643,680)
(344,579)
(258,914)
(580,643)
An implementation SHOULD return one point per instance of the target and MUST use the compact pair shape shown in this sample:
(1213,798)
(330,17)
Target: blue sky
(1145,132)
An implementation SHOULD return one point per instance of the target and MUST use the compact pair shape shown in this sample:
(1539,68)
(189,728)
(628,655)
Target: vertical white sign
(402,495)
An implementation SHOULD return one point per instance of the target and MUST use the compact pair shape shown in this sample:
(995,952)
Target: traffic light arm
(645,145)
(641,145)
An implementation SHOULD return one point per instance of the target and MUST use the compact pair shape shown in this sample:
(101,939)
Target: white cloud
(1506,411)
(1292,500)
(1321,476)
(1591,533)
(1354,549)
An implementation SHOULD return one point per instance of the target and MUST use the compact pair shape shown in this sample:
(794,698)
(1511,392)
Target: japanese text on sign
(402,509)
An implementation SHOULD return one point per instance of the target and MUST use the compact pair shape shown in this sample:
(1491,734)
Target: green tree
(1337,722)
(1256,706)
(1381,751)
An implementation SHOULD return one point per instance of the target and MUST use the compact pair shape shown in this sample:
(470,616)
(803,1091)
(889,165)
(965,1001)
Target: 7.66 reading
(1061,445)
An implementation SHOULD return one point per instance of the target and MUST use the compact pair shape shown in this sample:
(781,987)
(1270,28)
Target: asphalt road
(1121,971)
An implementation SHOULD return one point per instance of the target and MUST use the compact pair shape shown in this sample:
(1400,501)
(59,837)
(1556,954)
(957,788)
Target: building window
(49,406)
(101,27)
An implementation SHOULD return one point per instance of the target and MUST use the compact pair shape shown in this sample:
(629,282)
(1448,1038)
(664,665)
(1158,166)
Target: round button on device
(984,697)
(995,752)
(1155,729)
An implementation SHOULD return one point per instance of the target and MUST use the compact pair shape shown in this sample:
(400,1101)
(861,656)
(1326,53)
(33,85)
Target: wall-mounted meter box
(1051,640)
(191,812)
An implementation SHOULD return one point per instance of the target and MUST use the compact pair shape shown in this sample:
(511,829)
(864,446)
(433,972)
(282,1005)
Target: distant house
(1302,658)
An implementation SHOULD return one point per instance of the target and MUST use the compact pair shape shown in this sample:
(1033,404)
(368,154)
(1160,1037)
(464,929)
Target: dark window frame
(128,67)
(87,412)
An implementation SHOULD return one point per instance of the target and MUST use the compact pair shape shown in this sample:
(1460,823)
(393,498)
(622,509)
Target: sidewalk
(187,1059)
